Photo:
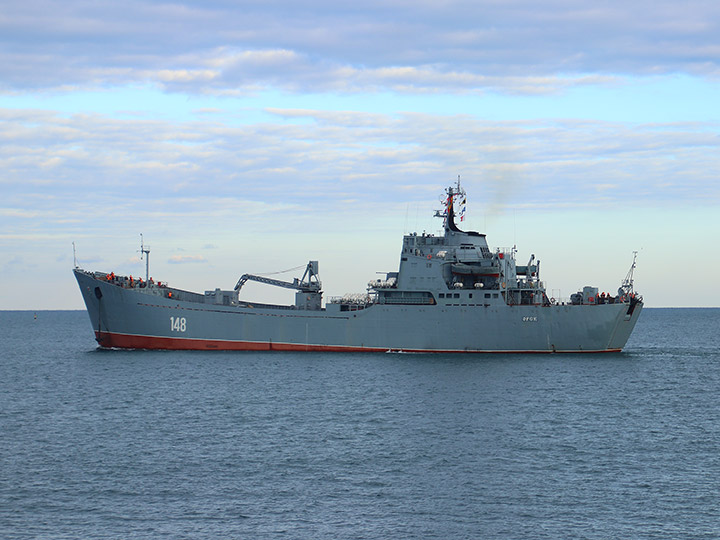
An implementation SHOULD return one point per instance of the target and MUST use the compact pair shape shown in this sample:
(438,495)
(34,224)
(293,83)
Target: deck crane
(309,295)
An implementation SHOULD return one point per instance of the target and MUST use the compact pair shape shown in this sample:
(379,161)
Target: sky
(254,136)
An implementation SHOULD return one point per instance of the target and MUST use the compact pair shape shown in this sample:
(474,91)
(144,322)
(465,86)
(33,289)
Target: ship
(450,294)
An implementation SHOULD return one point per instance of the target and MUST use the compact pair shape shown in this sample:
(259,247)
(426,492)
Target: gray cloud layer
(273,192)
(325,46)
(101,170)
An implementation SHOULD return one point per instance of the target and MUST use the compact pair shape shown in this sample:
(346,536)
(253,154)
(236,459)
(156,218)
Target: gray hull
(149,319)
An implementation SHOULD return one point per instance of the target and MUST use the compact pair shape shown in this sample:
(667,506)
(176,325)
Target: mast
(449,213)
(627,286)
(146,252)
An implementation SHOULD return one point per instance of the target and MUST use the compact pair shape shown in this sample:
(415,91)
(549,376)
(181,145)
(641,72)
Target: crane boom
(311,271)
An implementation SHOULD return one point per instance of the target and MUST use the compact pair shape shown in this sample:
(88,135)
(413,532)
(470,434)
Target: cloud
(331,185)
(183,259)
(90,172)
(453,46)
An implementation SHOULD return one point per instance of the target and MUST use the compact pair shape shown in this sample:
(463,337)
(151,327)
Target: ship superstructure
(451,293)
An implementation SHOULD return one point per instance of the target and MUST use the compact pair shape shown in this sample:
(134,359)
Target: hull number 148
(177,324)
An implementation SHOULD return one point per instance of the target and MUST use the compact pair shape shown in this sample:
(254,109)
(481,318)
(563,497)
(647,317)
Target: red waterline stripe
(130,341)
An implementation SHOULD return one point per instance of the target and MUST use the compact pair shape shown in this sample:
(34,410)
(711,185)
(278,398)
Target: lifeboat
(526,270)
(475,270)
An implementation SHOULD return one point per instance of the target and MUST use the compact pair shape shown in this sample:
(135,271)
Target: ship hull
(136,319)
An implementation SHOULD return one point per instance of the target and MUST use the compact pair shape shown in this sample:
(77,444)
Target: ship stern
(626,324)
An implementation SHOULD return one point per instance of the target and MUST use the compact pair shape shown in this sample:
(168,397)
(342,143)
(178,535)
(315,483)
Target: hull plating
(128,318)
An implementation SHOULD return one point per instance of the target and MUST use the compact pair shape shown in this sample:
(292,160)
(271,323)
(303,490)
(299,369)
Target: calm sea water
(114,444)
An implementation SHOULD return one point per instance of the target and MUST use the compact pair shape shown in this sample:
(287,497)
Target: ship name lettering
(177,324)
(530,319)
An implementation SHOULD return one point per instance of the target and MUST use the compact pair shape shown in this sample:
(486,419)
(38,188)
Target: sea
(110,444)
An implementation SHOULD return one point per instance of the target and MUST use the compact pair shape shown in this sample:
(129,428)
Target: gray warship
(451,293)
